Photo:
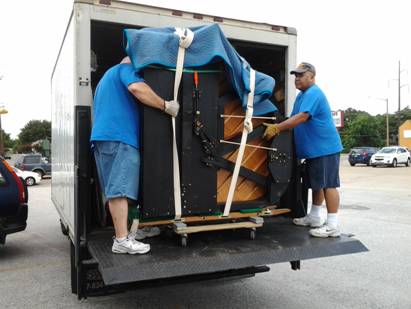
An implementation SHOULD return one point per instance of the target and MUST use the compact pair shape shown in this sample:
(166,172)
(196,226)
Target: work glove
(271,131)
(171,108)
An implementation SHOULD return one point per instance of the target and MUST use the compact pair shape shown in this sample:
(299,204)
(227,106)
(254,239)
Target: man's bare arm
(146,95)
(293,121)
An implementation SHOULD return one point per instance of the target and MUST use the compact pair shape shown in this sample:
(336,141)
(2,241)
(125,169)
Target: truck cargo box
(94,34)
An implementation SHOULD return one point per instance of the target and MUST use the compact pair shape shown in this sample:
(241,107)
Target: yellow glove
(271,131)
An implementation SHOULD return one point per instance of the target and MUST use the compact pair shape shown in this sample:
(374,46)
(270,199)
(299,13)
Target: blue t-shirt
(116,113)
(317,136)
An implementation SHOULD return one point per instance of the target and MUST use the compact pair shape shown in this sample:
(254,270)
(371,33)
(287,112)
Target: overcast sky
(355,46)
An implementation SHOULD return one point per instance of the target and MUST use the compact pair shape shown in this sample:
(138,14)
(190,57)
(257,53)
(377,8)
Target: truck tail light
(20,187)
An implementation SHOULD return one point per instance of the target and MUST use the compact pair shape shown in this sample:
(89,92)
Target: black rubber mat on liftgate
(276,242)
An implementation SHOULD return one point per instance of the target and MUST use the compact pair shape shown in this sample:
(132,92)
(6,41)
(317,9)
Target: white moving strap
(186,38)
(248,128)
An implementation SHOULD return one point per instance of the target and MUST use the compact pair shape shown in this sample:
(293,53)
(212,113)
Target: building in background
(404,134)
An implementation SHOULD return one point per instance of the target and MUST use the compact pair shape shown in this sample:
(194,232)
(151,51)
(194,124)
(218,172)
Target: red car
(13,202)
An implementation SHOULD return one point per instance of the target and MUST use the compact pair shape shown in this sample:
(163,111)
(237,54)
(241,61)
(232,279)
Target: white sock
(315,211)
(332,220)
(121,239)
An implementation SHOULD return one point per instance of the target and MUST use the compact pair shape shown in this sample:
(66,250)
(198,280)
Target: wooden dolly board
(235,220)
(183,230)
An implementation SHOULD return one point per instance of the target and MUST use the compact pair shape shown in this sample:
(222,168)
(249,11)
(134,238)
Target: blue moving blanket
(150,46)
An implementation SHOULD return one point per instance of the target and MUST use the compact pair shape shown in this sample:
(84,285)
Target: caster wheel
(184,241)
(252,234)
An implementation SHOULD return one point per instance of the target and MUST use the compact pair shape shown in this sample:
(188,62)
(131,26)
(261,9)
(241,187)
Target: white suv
(391,156)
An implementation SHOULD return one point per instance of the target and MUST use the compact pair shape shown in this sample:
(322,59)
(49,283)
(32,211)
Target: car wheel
(30,181)
(352,164)
(40,173)
(373,165)
(394,163)
(408,162)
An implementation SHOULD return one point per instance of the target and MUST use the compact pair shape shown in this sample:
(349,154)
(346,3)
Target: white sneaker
(130,246)
(309,221)
(325,231)
(145,232)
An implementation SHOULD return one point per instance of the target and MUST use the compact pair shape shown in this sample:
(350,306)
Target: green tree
(351,114)
(395,120)
(364,130)
(35,130)
(361,129)
(406,113)
(7,140)
(402,115)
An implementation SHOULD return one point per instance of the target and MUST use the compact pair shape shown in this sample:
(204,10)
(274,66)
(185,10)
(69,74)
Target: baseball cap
(304,67)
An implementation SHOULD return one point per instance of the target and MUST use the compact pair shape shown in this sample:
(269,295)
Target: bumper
(13,224)
(358,160)
(381,162)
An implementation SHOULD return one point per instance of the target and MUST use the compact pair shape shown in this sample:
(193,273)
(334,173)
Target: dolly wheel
(184,240)
(253,233)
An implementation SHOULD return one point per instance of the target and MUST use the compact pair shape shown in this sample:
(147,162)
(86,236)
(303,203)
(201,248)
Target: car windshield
(16,170)
(387,150)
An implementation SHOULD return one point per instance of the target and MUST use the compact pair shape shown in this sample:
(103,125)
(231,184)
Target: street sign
(338,117)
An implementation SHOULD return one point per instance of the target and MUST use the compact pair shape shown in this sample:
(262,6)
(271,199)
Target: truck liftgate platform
(277,241)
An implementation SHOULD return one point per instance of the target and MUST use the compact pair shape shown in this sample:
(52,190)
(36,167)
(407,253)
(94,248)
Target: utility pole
(399,97)
(399,86)
(2,111)
(387,125)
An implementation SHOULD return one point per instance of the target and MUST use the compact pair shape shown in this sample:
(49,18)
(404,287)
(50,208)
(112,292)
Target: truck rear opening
(216,253)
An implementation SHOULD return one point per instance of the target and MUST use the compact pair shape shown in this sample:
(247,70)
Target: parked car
(34,163)
(392,156)
(13,202)
(31,178)
(361,155)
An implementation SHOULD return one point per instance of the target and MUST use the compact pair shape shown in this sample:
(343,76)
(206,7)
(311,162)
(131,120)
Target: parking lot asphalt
(375,207)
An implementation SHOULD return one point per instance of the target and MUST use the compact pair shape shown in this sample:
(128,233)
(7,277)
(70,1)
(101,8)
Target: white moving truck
(95,28)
